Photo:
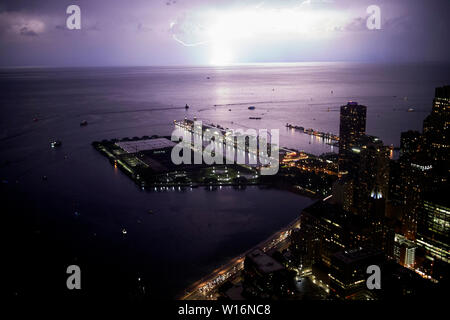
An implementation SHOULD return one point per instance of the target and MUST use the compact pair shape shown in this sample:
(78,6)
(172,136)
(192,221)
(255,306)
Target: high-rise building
(334,229)
(409,178)
(436,126)
(305,247)
(370,162)
(404,251)
(264,277)
(423,164)
(342,192)
(364,161)
(352,126)
(416,178)
(348,272)
(441,102)
(433,230)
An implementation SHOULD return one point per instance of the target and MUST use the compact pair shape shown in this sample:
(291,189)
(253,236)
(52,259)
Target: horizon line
(235,64)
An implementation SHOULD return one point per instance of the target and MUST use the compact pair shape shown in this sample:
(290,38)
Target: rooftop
(334,214)
(264,262)
(350,256)
(144,145)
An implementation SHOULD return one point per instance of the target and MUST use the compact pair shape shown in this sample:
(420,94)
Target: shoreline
(236,264)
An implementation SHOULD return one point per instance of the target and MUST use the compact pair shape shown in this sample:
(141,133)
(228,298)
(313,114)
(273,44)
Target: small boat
(186,106)
(254,118)
(411,110)
(251,108)
(150,211)
(124,231)
(56,143)
(83,123)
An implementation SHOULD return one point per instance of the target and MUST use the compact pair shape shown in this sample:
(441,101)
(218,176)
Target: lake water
(77,215)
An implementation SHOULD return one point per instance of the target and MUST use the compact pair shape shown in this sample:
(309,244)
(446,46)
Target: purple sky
(191,32)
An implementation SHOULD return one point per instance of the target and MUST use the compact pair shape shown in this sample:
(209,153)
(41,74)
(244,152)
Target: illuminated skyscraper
(352,127)
(423,164)
(433,231)
(369,162)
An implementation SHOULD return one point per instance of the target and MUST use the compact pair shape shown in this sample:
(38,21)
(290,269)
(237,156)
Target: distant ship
(56,143)
(255,118)
(83,123)
(251,108)
(411,110)
(186,106)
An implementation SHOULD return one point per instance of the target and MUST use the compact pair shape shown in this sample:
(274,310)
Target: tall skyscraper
(436,126)
(371,158)
(352,127)
(419,187)
(364,160)
(433,231)
(424,161)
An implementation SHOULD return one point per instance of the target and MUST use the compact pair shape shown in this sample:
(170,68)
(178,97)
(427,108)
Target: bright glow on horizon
(223,30)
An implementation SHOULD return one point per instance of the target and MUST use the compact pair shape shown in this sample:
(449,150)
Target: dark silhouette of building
(342,193)
(436,127)
(411,142)
(398,282)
